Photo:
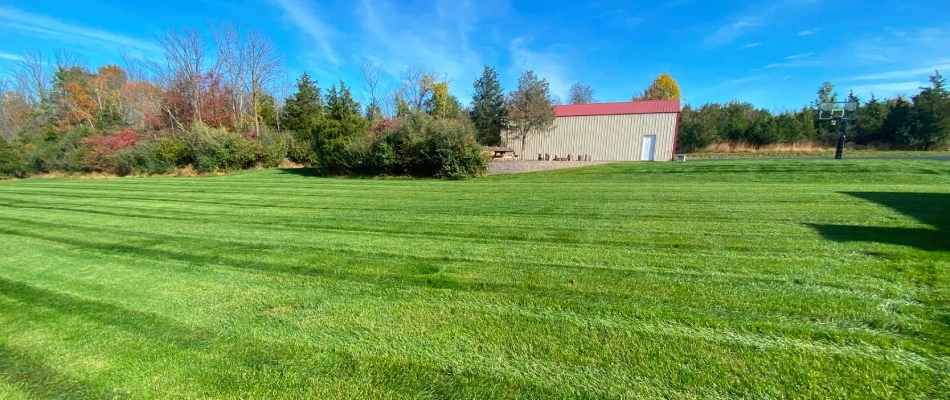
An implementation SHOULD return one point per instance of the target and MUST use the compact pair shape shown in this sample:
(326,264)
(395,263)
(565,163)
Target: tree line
(221,100)
(921,122)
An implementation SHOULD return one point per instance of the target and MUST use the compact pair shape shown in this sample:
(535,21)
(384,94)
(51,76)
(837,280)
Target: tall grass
(741,147)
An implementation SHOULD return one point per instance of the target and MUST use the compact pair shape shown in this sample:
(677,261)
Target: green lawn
(826,154)
(771,279)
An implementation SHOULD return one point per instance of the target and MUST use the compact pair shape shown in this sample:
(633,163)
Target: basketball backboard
(838,111)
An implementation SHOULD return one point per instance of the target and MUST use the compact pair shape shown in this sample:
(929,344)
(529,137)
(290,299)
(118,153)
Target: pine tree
(488,108)
(303,109)
(343,122)
(931,115)
(301,115)
(871,118)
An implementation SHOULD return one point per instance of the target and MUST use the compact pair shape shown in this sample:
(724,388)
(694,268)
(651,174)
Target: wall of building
(603,137)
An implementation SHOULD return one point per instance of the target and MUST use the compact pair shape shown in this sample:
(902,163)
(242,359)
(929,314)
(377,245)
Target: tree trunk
(257,117)
(524,139)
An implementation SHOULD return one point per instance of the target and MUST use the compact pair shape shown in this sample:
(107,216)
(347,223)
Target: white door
(649,148)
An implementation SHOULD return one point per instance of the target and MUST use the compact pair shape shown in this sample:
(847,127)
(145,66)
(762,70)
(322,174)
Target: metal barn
(628,131)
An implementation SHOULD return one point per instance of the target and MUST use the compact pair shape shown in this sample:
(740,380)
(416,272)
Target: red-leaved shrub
(102,149)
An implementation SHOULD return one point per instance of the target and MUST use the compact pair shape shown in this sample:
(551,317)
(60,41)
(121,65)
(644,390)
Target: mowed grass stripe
(619,281)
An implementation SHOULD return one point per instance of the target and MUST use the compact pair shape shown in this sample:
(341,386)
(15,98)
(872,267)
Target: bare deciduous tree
(135,69)
(372,74)
(66,59)
(281,92)
(581,93)
(185,53)
(417,85)
(262,65)
(8,125)
(227,39)
(32,77)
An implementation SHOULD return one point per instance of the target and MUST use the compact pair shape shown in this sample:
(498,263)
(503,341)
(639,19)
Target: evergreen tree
(698,128)
(898,124)
(11,163)
(931,115)
(488,108)
(374,112)
(303,109)
(301,115)
(870,125)
(342,123)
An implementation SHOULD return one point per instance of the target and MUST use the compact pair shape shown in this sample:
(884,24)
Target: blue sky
(773,54)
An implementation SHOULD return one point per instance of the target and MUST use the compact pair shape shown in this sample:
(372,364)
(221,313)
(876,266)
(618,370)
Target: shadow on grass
(306,172)
(29,374)
(319,173)
(929,208)
(237,359)
(402,269)
(148,325)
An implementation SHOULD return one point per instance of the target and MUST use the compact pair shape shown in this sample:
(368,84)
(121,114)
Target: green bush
(144,159)
(12,164)
(173,149)
(301,148)
(57,151)
(338,143)
(451,151)
(419,145)
(216,149)
(274,147)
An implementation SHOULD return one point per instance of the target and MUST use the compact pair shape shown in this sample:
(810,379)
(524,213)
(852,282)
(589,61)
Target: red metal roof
(624,108)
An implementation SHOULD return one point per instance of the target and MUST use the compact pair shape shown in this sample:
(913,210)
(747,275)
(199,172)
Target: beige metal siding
(603,137)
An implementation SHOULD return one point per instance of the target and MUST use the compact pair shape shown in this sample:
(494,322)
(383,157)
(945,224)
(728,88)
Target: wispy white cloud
(890,89)
(46,27)
(760,16)
(731,85)
(11,57)
(894,46)
(798,56)
(798,63)
(439,39)
(547,65)
(806,32)
(904,74)
(750,45)
(734,30)
(303,16)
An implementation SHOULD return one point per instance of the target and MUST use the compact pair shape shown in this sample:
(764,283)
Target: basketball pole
(842,135)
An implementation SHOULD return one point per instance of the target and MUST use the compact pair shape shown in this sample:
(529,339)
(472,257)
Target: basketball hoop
(843,111)
(838,111)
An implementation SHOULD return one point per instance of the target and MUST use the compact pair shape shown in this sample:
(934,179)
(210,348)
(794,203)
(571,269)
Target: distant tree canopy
(580,93)
(930,126)
(922,123)
(664,87)
(488,108)
(530,108)
(222,102)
